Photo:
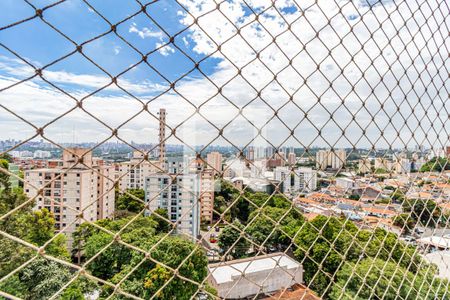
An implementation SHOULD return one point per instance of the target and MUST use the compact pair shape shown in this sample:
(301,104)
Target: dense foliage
(381,279)
(334,251)
(231,242)
(436,165)
(426,212)
(142,276)
(329,247)
(41,277)
(132,200)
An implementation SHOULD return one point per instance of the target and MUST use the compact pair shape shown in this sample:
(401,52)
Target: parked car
(419,230)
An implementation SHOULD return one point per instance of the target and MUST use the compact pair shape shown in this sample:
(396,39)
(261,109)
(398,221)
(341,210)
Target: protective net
(251,149)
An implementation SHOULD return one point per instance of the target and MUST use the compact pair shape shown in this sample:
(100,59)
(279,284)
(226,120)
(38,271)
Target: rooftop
(442,260)
(296,292)
(224,272)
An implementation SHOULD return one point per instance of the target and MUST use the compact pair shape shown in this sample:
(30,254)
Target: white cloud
(185,41)
(144,32)
(16,68)
(117,50)
(378,74)
(350,53)
(166,50)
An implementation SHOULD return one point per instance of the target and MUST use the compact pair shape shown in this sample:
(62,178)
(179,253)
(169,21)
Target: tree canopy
(436,165)
(151,273)
(230,238)
(132,200)
(381,279)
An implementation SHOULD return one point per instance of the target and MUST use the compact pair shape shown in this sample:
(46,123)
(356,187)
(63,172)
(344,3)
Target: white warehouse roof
(225,272)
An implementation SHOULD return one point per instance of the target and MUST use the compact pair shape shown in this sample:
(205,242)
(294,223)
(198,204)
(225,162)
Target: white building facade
(334,159)
(132,174)
(179,196)
(300,180)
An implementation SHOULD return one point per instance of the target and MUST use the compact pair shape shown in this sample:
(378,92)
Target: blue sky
(364,46)
(79,22)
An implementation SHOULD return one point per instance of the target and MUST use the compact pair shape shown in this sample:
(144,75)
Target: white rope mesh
(224,149)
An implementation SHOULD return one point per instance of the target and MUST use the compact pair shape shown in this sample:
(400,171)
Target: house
(379,212)
(442,260)
(435,242)
(252,276)
(296,292)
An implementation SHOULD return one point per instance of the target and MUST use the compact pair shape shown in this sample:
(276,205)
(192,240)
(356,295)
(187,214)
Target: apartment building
(73,189)
(179,196)
(322,159)
(383,164)
(334,159)
(250,153)
(191,165)
(403,166)
(206,195)
(305,180)
(283,175)
(364,165)
(292,159)
(297,181)
(132,174)
(214,161)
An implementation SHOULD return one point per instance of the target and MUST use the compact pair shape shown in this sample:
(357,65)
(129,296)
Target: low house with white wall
(252,276)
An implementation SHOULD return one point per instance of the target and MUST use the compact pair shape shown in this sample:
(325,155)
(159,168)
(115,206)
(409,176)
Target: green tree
(36,228)
(4,178)
(161,217)
(144,277)
(314,242)
(220,206)
(131,200)
(398,196)
(231,235)
(268,226)
(436,165)
(237,204)
(354,197)
(43,278)
(172,252)
(426,212)
(381,171)
(380,279)
(332,243)
(404,221)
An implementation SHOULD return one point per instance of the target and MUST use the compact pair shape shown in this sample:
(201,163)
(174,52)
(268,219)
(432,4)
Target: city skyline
(224,149)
